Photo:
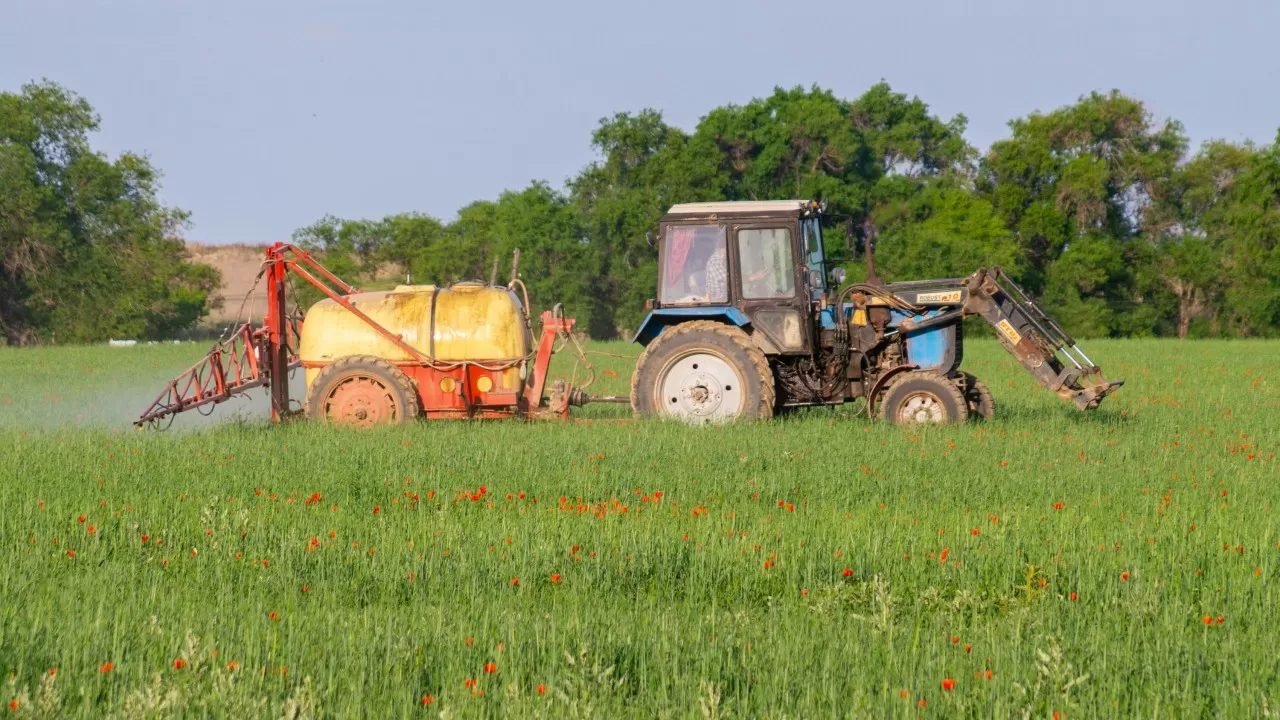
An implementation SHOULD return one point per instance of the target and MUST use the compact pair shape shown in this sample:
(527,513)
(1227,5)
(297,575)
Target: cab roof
(737,207)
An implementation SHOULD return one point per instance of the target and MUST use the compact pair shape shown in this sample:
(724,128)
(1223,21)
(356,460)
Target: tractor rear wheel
(978,397)
(922,398)
(364,391)
(703,372)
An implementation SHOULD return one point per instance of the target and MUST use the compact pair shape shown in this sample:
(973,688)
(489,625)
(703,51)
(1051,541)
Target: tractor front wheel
(703,372)
(922,398)
(364,391)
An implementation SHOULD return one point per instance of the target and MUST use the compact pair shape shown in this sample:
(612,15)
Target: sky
(265,115)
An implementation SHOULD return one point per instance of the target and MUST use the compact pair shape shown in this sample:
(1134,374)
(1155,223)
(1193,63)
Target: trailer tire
(364,391)
(922,397)
(735,382)
(981,405)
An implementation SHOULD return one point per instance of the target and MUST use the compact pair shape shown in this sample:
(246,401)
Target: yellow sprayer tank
(464,322)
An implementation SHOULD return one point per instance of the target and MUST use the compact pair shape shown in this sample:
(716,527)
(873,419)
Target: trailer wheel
(703,372)
(978,398)
(364,391)
(922,398)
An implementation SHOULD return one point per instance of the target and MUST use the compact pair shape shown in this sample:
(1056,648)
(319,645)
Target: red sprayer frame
(253,357)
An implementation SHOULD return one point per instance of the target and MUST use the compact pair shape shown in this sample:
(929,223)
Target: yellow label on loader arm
(1006,329)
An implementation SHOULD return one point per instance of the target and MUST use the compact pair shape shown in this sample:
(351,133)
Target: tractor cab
(748,263)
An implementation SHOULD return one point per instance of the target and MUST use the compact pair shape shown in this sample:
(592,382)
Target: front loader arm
(1035,339)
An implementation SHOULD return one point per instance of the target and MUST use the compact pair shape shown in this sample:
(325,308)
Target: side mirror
(650,238)
(838,276)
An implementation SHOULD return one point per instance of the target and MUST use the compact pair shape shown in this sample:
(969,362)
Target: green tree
(86,249)
(646,166)
(1079,186)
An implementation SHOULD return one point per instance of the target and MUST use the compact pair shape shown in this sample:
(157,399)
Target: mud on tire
(976,395)
(703,371)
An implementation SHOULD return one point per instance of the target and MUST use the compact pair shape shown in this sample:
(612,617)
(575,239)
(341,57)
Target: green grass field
(1117,564)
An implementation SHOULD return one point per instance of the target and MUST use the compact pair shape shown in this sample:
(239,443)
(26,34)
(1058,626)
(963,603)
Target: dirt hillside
(239,266)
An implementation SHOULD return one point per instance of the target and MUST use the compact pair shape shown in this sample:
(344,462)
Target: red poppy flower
(1124,576)
(377,509)
(542,689)
(922,702)
(555,577)
(146,538)
(106,667)
(847,572)
(81,518)
(1208,620)
(1072,596)
(491,667)
(427,699)
(71,553)
(1058,506)
(469,682)
(955,639)
(804,591)
(515,582)
(274,616)
(948,684)
(1221,619)
(469,642)
(179,664)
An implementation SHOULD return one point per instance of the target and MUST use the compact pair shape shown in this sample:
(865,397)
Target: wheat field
(1047,563)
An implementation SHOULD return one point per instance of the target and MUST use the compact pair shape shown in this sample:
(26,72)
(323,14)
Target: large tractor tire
(703,372)
(364,391)
(978,398)
(923,398)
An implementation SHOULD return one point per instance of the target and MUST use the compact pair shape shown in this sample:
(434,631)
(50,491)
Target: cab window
(768,268)
(694,269)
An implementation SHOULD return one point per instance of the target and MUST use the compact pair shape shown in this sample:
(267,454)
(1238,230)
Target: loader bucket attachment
(1036,340)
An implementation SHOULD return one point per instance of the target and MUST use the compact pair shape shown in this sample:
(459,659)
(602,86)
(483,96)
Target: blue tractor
(749,320)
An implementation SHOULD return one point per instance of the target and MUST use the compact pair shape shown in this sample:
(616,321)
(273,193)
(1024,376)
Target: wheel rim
(700,388)
(921,407)
(360,400)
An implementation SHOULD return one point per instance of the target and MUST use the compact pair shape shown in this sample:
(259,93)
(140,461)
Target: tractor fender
(658,320)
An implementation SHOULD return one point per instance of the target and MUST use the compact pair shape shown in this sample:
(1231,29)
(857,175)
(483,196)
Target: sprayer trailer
(749,319)
(461,351)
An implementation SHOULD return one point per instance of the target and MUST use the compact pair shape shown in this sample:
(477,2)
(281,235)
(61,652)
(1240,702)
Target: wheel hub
(701,387)
(360,400)
(922,407)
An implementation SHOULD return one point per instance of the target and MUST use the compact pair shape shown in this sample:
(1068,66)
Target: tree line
(87,251)
(1096,208)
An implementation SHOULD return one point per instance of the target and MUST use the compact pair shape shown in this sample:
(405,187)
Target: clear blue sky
(266,114)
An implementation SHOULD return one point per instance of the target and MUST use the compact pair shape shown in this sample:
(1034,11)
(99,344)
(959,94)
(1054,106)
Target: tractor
(749,319)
